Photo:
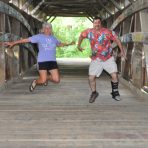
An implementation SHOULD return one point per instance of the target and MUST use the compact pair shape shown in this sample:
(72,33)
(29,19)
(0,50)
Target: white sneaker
(117,98)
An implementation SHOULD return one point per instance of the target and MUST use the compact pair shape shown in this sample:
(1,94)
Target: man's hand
(123,55)
(122,51)
(79,43)
(80,49)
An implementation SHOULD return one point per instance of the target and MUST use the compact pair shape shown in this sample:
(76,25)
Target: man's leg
(114,85)
(92,84)
(111,67)
(95,69)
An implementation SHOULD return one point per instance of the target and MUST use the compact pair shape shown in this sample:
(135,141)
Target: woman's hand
(80,48)
(66,44)
(72,43)
(10,44)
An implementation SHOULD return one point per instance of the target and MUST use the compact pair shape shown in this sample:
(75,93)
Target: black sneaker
(93,97)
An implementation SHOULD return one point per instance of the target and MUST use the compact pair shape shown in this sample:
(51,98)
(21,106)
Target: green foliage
(69,29)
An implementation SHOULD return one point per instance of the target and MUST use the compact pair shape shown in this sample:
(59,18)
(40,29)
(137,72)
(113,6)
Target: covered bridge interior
(127,17)
(24,116)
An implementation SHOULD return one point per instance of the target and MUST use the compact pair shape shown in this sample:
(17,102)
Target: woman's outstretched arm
(11,44)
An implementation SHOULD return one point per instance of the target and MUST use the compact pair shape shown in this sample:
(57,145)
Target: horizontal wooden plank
(61,116)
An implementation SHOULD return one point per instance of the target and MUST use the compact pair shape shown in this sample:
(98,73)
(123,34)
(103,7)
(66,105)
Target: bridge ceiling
(72,8)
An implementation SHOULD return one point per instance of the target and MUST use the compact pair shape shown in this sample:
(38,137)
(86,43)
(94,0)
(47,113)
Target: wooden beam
(131,1)
(90,19)
(52,14)
(90,15)
(37,7)
(132,9)
(53,19)
(116,4)
(102,5)
(5,8)
(26,5)
(94,8)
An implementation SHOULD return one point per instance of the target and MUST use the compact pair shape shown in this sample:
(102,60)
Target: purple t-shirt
(47,46)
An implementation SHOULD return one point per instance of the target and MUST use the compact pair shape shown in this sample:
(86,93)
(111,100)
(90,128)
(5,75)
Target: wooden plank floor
(59,116)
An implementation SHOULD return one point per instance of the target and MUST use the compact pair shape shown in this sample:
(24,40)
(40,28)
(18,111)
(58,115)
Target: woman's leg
(54,76)
(41,80)
(42,77)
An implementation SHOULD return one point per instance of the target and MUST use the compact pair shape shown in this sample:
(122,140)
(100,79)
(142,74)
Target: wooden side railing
(13,26)
(132,28)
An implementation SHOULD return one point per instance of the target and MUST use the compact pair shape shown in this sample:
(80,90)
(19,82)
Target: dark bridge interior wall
(133,70)
(130,24)
(14,62)
(132,28)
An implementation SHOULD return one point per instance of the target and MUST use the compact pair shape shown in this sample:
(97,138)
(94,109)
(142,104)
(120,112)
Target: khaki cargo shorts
(97,66)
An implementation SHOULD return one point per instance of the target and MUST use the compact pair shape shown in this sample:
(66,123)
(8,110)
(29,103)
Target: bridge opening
(69,30)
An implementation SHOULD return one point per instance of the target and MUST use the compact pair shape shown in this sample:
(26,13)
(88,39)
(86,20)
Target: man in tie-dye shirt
(100,40)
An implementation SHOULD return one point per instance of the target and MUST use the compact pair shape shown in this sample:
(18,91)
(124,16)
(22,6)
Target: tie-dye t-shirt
(100,42)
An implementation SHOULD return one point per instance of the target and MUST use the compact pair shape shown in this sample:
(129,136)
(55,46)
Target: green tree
(68,29)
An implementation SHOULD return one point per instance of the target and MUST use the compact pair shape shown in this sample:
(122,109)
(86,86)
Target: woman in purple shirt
(46,59)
